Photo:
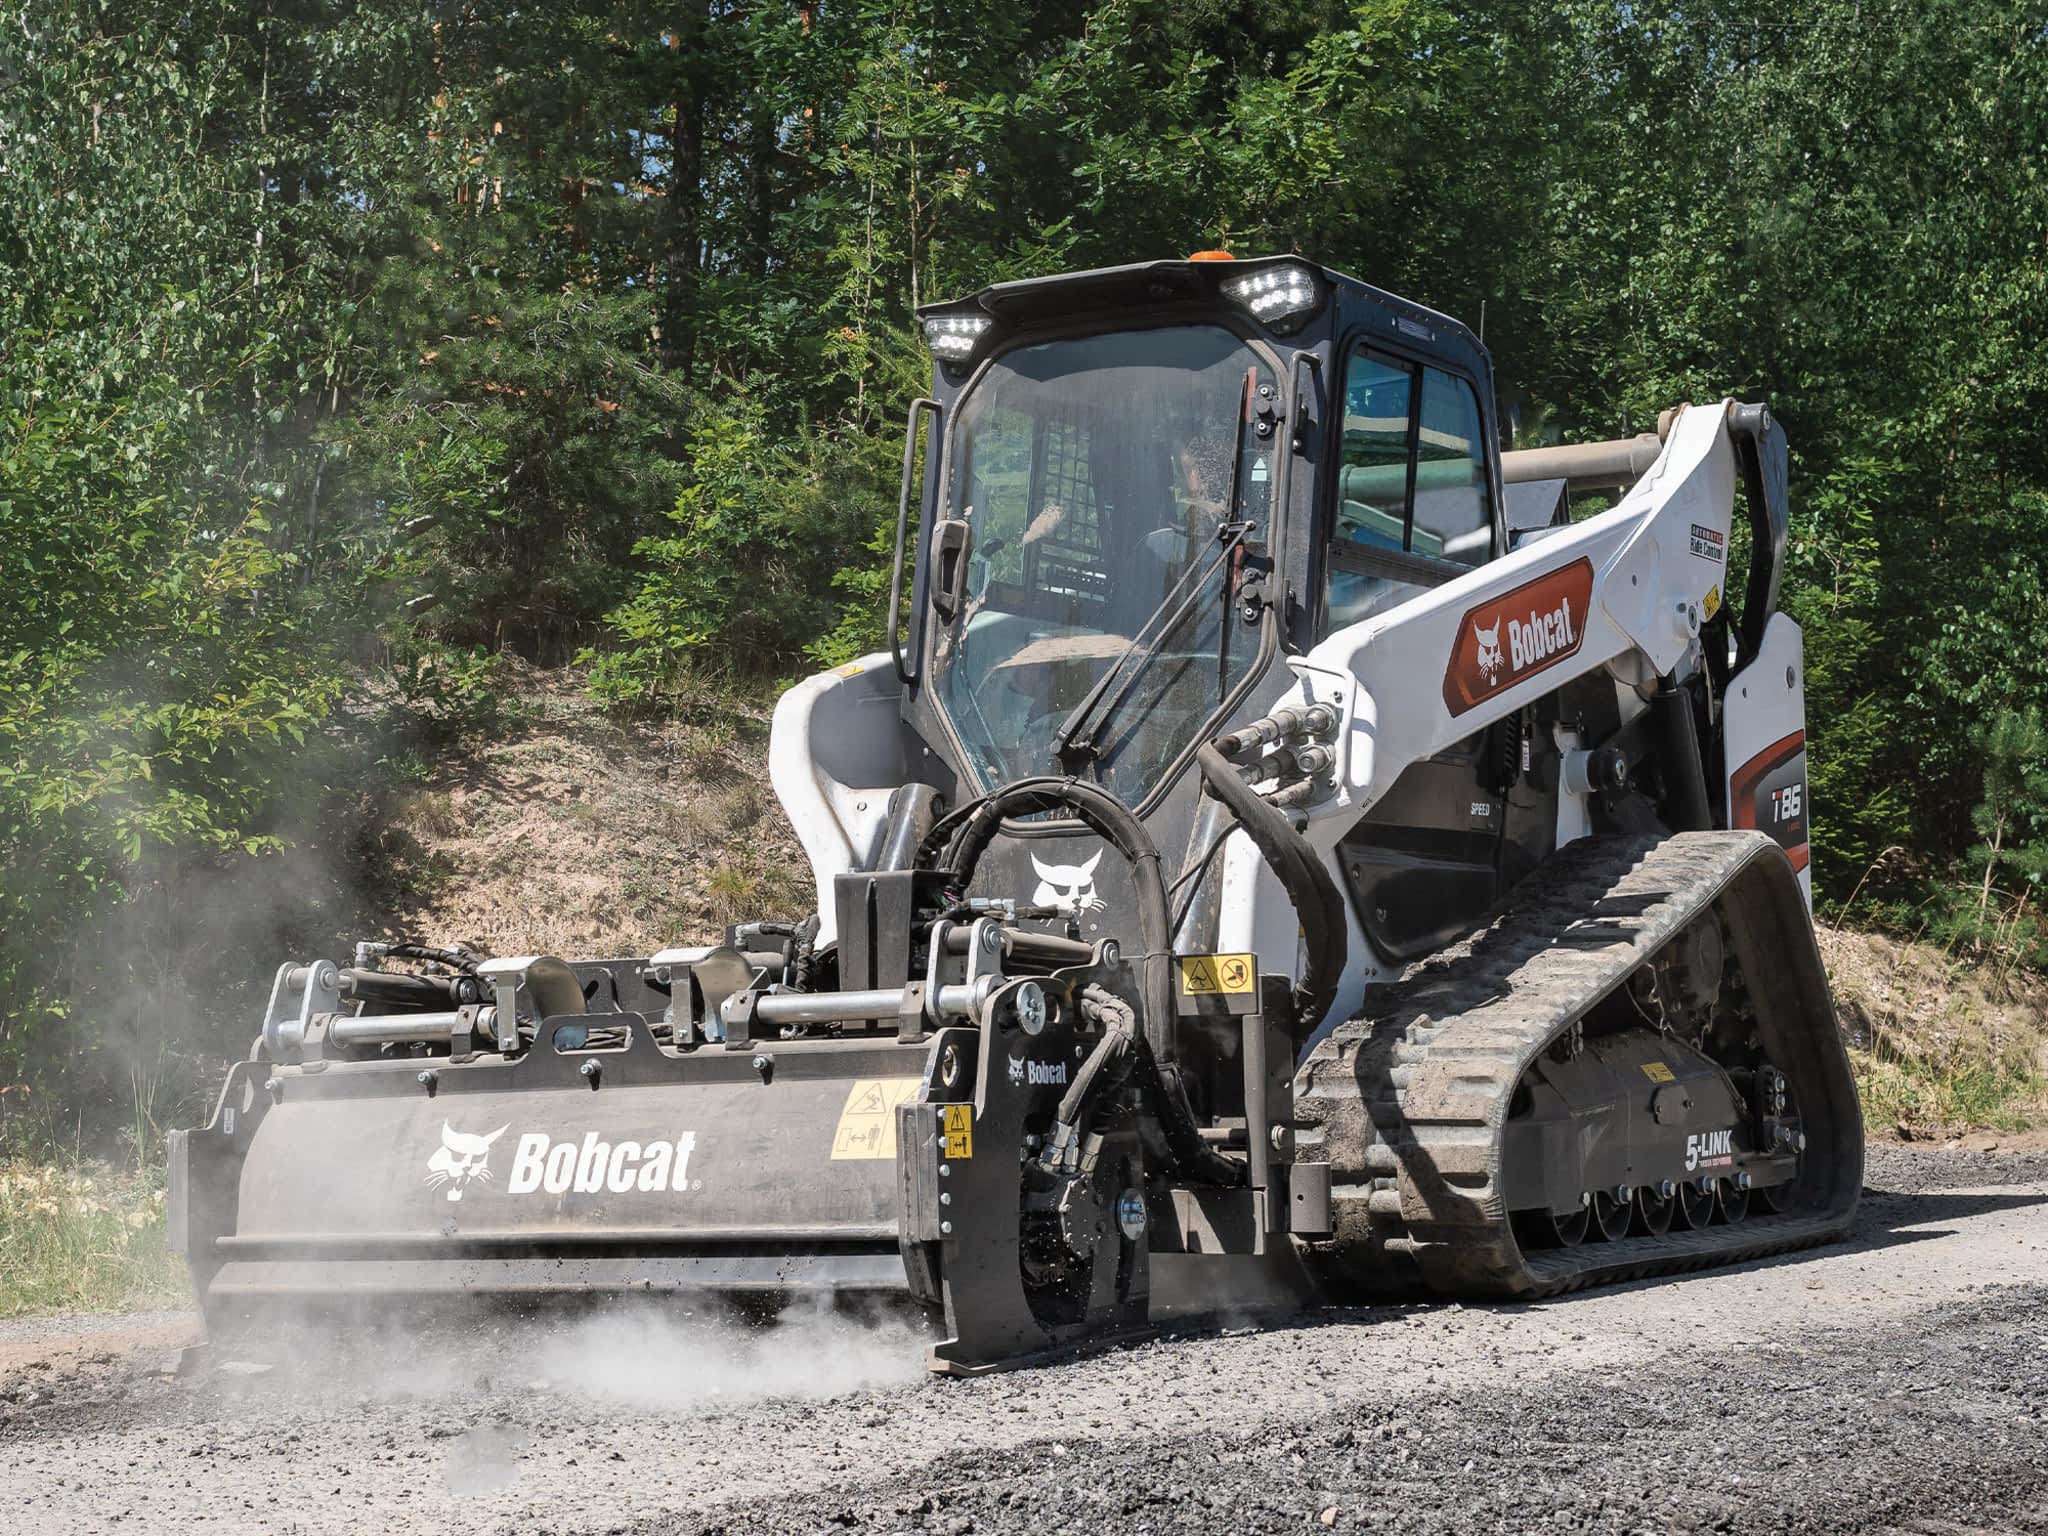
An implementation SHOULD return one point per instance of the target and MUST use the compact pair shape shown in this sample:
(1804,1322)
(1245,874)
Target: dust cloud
(638,1356)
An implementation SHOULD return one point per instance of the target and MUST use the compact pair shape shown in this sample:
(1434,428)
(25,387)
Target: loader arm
(1629,594)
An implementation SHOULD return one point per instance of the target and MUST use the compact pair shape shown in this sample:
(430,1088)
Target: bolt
(1111,951)
(1800,1143)
(429,1080)
(1623,1193)
(592,1071)
(1788,677)
(945,1229)
(1706,1184)
(1742,1181)
(991,940)
(1586,1198)
(944,1198)
(274,1086)
(945,1170)
(760,1063)
(1666,1189)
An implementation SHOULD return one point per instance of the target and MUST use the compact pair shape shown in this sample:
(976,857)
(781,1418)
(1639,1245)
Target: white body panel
(1764,745)
(835,754)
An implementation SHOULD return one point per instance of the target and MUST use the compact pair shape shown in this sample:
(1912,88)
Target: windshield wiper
(1071,748)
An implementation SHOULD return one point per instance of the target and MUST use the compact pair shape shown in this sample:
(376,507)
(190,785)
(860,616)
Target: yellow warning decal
(851,669)
(959,1132)
(1657,1072)
(1712,605)
(867,1125)
(1201,974)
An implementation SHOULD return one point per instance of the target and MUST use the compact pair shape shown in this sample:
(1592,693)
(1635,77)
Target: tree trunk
(682,215)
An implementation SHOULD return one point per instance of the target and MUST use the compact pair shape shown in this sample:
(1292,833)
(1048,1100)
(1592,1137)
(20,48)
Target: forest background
(619,297)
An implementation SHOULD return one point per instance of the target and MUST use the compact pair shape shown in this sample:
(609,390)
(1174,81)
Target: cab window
(1411,484)
(1453,518)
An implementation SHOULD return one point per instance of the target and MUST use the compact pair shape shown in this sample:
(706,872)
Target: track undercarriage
(1634,1071)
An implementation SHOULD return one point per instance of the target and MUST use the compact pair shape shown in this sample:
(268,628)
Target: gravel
(1896,1382)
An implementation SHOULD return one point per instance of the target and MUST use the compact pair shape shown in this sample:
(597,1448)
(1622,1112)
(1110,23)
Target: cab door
(1412,508)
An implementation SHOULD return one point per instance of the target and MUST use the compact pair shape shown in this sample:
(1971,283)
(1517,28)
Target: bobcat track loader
(1280,857)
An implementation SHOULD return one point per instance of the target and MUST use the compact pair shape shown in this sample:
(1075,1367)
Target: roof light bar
(952,337)
(1275,294)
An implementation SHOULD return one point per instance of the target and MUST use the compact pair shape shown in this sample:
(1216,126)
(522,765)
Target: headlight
(952,337)
(1275,294)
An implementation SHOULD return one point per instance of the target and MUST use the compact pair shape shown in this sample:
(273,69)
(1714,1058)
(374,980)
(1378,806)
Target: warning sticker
(1657,1072)
(1200,974)
(867,1125)
(959,1131)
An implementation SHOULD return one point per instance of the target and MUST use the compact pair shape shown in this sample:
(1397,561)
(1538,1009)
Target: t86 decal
(1509,638)
(1769,793)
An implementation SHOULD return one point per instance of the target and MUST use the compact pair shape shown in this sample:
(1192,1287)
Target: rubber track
(1407,1103)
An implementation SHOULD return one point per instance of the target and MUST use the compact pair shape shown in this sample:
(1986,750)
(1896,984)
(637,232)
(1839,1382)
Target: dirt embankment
(568,832)
(1942,1046)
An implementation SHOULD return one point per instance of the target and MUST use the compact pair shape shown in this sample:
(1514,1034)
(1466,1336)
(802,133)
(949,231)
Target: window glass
(1372,504)
(1452,518)
(1096,475)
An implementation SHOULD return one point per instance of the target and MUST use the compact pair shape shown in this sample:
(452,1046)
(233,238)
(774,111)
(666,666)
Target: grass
(84,1237)
(1970,1088)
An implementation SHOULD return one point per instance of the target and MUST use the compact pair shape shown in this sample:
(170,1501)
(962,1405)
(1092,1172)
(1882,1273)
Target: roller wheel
(1734,1202)
(1695,1206)
(1541,1229)
(1611,1217)
(1653,1211)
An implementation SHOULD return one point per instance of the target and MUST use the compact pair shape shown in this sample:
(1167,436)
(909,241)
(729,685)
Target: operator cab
(1143,484)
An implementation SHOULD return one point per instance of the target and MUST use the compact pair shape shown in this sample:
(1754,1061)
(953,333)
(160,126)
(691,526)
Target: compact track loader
(1281,856)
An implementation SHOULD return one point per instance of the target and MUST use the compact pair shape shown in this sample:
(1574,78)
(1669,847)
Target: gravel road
(1896,1383)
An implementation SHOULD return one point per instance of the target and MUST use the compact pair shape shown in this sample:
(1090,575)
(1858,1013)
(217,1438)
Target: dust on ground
(1899,1381)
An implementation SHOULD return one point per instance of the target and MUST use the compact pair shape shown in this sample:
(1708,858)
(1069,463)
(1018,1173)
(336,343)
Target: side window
(1411,479)
(1372,495)
(1453,515)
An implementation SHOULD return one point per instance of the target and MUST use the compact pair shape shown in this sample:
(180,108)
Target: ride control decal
(1510,638)
(1658,1072)
(1768,793)
(1200,974)
(867,1123)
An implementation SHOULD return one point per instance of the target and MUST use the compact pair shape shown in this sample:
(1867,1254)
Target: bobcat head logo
(461,1159)
(1016,1071)
(1070,887)
(1489,650)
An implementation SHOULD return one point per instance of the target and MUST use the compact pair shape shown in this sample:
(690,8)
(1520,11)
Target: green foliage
(744,577)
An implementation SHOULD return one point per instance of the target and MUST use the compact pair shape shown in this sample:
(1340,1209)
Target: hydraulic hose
(1122,1042)
(1301,874)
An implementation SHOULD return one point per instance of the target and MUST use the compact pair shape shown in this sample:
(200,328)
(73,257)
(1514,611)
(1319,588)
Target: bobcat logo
(1070,887)
(461,1159)
(1016,1071)
(1489,650)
